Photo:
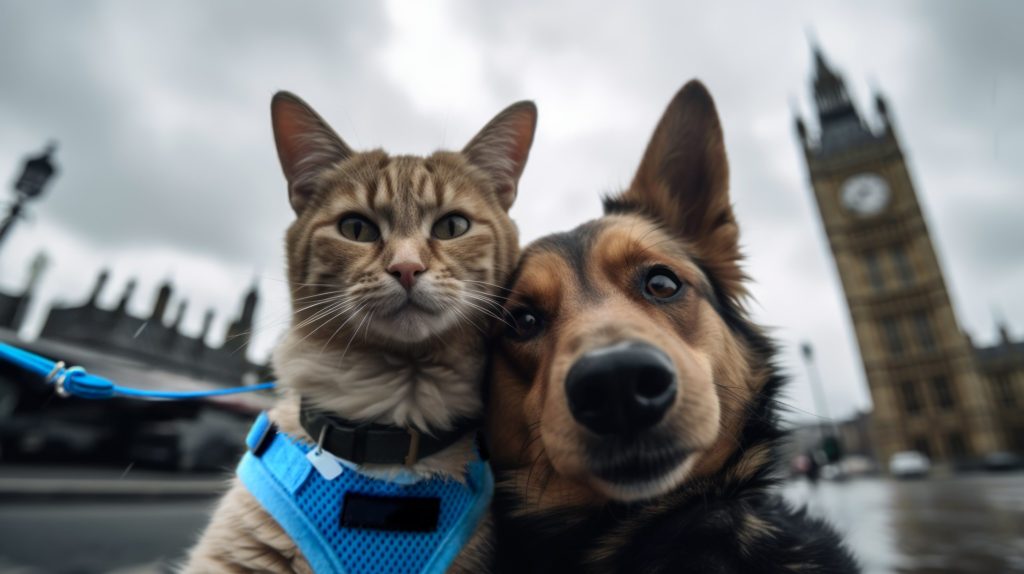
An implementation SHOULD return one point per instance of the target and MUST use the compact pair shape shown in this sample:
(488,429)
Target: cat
(395,264)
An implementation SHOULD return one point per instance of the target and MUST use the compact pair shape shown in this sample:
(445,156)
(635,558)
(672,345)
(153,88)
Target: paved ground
(972,523)
(962,524)
(19,481)
(90,538)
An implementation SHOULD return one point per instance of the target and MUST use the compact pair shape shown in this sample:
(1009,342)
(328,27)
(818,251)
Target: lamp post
(829,440)
(35,174)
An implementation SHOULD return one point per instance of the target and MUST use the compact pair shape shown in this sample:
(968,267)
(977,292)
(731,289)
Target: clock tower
(919,365)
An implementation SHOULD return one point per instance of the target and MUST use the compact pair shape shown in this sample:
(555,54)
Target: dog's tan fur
(685,223)
(691,491)
(360,346)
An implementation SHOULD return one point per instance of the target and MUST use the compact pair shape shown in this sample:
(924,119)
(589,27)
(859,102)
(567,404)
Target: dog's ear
(502,147)
(306,145)
(683,182)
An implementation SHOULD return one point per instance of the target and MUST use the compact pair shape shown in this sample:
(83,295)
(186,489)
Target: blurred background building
(932,390)
(148,352)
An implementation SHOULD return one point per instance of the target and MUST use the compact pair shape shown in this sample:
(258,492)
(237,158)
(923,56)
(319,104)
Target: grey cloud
(162,115)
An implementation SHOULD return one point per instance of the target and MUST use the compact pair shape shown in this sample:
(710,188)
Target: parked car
(909,464)
(1002,461)
(858,465)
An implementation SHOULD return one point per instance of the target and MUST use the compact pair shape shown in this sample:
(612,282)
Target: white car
(909,464)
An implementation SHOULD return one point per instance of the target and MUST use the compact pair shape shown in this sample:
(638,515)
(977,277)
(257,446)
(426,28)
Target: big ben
(919,365)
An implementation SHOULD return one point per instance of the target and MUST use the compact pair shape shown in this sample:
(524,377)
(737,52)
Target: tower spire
(830,94)
(840,125)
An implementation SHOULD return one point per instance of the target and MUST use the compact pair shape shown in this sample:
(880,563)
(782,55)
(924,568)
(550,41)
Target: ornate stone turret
(207,323)
(101,282)
(163,297)
(841,126)
(147,339)
(129,290)
(179,316)
(240,330)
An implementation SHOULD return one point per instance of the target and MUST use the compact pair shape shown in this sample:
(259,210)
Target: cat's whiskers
(354,333)
(331,313)
(333,316)
(322,294)
(280,318)
(487,312)
(495,285)
(488,299)
(329,300)
(331,307)
(462,315)
(342,326)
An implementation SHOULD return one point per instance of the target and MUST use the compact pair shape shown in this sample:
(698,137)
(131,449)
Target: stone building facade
(928,391)
(154,339)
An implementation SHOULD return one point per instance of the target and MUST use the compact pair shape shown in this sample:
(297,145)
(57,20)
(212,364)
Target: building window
(957,447)
(891,326)
(903,267)
(923,326)
(874,267)
(921,446)
(911,400)
(1004,389)
(943,392)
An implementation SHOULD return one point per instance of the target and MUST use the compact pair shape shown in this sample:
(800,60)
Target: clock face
(865,194)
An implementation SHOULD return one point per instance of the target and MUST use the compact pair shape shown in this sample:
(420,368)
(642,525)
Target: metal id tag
(325,464)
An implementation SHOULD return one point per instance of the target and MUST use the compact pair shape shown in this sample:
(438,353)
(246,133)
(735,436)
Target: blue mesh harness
(309,508)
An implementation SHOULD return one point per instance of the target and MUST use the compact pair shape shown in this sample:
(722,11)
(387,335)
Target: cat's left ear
(306,146)
(501,148)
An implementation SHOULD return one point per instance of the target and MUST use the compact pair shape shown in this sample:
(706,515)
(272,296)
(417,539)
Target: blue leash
(77,382)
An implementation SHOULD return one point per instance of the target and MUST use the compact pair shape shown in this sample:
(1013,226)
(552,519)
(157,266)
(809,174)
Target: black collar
(376,443)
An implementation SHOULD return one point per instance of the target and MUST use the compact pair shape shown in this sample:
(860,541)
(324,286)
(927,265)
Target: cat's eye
(661,284)
(450,226)
(525,324)
(358,228)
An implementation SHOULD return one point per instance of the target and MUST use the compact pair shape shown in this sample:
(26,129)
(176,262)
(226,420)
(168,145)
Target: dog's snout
(621,389)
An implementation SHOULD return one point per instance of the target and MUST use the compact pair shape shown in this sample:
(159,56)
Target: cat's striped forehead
(403,192)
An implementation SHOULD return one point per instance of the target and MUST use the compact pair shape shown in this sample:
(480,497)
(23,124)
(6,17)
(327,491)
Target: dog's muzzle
(622,389)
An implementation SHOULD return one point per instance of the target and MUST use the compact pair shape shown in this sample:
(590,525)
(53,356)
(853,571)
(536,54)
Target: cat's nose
(406,272)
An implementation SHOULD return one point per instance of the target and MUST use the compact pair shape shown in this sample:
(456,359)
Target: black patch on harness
(394,513)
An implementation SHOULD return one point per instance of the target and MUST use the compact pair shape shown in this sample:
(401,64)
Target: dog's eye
(358,228)
(524,324)
(451,226)
(661,284)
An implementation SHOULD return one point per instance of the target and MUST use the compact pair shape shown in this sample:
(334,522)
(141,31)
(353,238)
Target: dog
(632,408)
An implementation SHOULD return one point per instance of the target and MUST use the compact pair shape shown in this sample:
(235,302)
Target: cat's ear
(306,145)
(501,148)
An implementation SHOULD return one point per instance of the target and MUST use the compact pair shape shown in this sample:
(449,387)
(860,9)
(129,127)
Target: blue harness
(317,513)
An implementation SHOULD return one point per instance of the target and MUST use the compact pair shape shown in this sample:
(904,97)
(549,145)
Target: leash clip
(62,379)
(58,368)
(59,376)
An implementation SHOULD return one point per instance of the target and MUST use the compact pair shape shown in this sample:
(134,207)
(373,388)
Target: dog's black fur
(694,529)
(729,520)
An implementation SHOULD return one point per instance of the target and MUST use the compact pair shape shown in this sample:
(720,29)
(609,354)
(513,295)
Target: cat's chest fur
(426,389)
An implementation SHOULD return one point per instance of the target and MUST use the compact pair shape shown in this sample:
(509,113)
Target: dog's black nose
(621,389)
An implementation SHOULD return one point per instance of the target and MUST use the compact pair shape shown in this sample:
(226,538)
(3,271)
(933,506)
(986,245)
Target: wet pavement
(972,523)
(968,523)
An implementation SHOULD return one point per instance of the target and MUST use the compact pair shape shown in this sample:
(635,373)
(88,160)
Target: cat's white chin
(413,324)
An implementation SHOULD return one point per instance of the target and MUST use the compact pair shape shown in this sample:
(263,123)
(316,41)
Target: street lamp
(829,441)
(35,174)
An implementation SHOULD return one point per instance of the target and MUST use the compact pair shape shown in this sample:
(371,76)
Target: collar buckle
(412,456)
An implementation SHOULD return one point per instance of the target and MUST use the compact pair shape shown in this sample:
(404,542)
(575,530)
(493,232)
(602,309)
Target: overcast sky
(168,169)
